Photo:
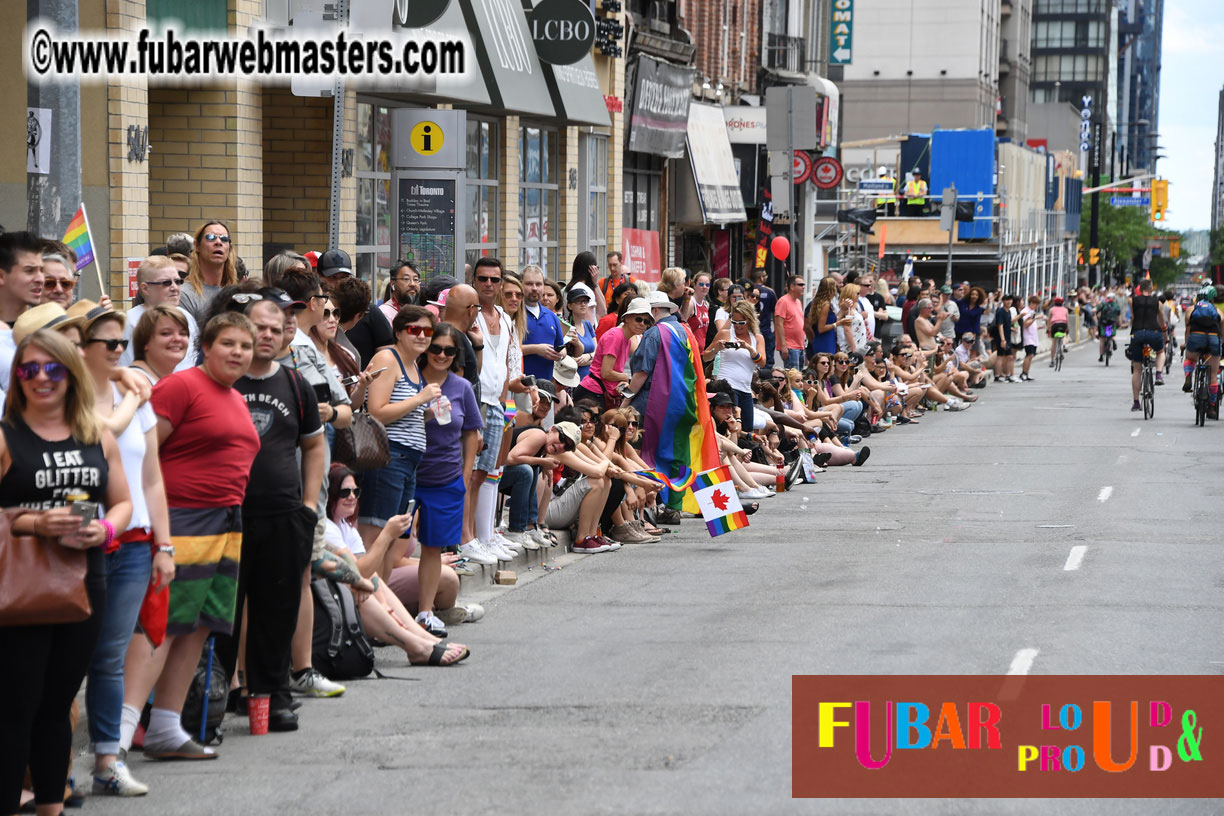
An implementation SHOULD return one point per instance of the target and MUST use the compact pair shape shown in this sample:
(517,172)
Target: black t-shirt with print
(284,409)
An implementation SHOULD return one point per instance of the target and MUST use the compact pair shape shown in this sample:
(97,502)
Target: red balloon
(780,247)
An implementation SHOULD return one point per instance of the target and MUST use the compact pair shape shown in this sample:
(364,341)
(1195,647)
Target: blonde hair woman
(212,268)
(672,284)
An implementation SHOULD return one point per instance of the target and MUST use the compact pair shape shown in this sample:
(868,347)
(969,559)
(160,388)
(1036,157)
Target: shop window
(593,189)
(640,203)
(539,194)
(374,203)
(483,189)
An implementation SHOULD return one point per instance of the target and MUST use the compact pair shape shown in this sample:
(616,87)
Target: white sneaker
(499,540)
(1012,379)
(475,551)
(117,780)
(497,551)
(431,624)
(537,535)
(521,541)
(955,404)
(462,614)
(313,684)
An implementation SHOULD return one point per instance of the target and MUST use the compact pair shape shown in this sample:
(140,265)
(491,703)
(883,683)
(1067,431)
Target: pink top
(614,343)
(791,312)
(1058,314)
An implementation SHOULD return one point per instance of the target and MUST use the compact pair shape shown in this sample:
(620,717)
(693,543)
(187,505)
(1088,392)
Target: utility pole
(1094,223)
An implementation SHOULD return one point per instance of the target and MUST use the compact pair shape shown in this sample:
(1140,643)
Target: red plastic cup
(257,705)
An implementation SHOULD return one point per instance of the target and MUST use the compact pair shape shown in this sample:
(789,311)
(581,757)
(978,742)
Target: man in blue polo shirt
(544,333)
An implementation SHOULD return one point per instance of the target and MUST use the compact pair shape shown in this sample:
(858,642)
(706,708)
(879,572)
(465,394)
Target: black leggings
(38,690)
(615,496)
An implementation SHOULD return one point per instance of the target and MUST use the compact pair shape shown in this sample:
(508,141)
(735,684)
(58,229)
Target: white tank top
(736,366)
(494,360)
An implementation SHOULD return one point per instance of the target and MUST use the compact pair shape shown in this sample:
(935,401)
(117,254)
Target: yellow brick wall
(126,105)
(568,234)
(296,169)
(612,78)
(508,219)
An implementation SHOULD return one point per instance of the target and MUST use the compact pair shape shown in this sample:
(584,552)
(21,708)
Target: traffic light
(1079,254)
(1094,256)
(1160,199)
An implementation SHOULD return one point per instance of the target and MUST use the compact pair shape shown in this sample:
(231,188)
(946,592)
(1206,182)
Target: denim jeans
(845,425)
(794,358)
(519,483)
(770,345)
(127,576)
(386,492)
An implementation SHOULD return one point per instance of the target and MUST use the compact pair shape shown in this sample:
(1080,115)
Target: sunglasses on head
(448,351)
(111,345)
(489,278)
(346,492)
(213,236)
(55,371)
(419,331)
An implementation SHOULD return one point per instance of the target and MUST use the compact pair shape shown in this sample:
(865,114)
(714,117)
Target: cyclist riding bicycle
(1057,322)
(1147,329)
(1203,331)
(1107,317)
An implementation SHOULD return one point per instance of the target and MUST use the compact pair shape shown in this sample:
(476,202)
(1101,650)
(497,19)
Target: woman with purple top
(452,439)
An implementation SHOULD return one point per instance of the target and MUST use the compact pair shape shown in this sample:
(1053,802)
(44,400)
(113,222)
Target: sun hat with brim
(90,313)
(565,371)
(578,292)
(659,300)
(570,432)
(638,306)
(43,316)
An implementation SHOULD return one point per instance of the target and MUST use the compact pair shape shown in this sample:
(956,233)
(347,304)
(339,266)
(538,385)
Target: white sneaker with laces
(431,624)
(499,540)
(497,551)
(461,614)
(538,536)
(313,684)
(521,540)
(117,780)
(475,551)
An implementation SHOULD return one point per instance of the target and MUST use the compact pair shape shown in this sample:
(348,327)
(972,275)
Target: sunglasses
(50,285)
(347,492)
(739,322)
(703,286)
(317,297)
(166,283)
(55,371)
(632,423)
(447,351)
(640,319)
(512,293)
(419,331)
(212,236)
(111,345)
(489,278)
(327,313)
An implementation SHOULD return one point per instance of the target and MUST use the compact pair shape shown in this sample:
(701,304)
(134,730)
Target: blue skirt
(441,521)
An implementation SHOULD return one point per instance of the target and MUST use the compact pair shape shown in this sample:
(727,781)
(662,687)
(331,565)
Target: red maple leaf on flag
(719,500)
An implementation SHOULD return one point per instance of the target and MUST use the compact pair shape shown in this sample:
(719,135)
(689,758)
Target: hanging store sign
(417,13)
(562,30)
(713,166)
(746,124)
(641,251)
(659,109)
(827,173)
(841,32)
(801,169)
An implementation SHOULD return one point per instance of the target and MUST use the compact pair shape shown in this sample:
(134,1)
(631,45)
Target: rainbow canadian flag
(719,504)
(77,237)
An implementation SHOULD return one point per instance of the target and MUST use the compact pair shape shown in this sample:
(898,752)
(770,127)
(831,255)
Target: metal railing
(784,53)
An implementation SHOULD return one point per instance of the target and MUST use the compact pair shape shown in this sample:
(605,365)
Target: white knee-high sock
(486,507)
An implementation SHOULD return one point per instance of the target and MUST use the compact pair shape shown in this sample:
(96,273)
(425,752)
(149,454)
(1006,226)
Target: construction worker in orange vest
(915,195)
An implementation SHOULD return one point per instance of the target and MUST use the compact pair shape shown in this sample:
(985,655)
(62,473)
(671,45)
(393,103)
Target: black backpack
(340,650)
(193,706)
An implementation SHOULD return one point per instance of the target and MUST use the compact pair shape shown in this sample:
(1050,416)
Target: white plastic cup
(442,410)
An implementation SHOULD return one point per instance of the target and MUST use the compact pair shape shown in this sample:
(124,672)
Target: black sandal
(751,507)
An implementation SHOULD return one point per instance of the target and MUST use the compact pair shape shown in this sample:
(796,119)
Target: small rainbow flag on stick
(679,485)
(77,237)
(720,506)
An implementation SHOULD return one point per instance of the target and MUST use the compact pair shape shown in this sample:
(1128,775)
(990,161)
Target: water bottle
(442,410)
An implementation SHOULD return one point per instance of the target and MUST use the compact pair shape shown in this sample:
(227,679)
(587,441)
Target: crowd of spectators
(214,427)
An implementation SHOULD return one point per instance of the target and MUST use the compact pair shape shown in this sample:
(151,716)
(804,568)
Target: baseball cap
(968,336)
(569,432)
(546,390)
(721,398)
(579,291)
(313,257)
(945,289)
(281,298)
(335,262)
(432,289)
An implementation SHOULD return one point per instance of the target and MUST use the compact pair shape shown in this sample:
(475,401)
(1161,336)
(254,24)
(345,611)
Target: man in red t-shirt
(788,324)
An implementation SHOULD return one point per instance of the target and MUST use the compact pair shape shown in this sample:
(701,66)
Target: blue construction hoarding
(966,159)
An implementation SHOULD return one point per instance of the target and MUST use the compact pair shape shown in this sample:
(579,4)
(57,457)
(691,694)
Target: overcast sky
(1192,75)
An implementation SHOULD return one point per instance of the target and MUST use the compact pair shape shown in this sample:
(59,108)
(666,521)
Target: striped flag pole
(97,269)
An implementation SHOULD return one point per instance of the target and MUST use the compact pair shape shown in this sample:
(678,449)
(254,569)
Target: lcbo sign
(563,31)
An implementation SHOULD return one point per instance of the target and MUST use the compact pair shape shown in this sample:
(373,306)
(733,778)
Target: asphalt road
(657,679)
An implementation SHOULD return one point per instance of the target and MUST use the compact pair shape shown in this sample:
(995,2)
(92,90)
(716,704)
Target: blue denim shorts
(386,492)
(1198,342)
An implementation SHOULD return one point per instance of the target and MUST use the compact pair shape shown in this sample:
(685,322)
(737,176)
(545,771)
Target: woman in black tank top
(52,447)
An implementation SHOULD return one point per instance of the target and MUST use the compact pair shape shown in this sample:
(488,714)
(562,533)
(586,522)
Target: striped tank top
(409,429)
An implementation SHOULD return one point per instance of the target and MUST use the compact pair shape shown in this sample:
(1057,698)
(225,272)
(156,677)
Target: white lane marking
(1105,493)
(1075,557)
(1121,458)
(1136,432)
(1023,661)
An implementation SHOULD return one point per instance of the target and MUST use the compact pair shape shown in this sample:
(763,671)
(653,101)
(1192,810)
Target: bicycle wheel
(1200,396)
(1148,390)
(1108,353)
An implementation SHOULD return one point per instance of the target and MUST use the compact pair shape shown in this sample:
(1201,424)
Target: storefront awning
(579,98)
(713,166)
(659,108)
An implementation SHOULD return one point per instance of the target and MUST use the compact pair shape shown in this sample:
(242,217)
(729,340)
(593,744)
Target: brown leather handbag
(41,582)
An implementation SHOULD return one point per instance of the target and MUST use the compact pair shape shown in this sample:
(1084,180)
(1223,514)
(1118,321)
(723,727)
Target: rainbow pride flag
(720,506)
(680,484)
(511,413)
(679,433)
(77,237)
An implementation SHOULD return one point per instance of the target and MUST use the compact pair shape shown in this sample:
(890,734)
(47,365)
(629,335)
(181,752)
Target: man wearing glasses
(788,323)
(160,285)
(59,275)
(405,286)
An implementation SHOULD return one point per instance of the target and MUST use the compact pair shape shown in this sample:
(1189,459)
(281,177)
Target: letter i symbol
(426,139)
